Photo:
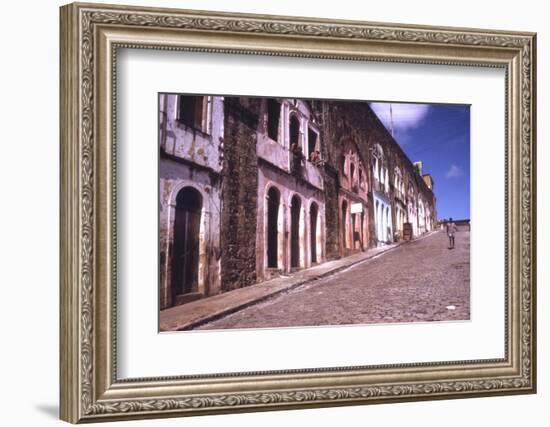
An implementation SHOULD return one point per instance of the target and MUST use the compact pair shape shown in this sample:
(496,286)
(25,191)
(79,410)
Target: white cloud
(454,172)
(403,116)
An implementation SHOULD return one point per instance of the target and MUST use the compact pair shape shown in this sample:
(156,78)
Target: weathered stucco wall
(199,146)
(174,177)
(354,122)
(189,157)
(344,124)
(287,187)
(237,152)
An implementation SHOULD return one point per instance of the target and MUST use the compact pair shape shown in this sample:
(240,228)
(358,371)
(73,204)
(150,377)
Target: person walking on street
(451,230)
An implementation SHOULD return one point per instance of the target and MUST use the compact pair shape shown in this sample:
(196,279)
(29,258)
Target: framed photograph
(268,212)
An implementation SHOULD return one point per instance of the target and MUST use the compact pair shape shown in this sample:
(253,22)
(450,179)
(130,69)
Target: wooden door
(273,199)
(313,232)
(295,232)
(185,260)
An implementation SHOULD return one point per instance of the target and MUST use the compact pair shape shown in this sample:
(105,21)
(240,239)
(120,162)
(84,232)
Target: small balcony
(273,152)
(311,172)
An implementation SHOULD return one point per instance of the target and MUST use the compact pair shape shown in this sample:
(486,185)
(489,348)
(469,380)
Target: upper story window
(398,181)
(273,118)
(312,137)
(352,167)
(410,192)
(378,163)
(343,164)
(193,112)
(294,131)
(297,154)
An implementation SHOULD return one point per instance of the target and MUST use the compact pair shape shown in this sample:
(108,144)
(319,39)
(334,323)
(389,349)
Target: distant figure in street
(451,230)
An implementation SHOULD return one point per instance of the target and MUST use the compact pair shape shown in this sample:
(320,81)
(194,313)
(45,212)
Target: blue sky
(439,136)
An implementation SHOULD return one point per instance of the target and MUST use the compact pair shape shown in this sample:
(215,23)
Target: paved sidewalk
(193,314)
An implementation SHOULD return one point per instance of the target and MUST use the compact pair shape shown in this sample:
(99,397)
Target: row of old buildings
(254,187)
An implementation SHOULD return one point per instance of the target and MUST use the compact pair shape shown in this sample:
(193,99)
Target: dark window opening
(191,111)
(312,142)
(295,147)
(294,131)
(273,115)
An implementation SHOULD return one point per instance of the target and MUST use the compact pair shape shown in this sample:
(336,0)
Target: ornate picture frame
(90,37)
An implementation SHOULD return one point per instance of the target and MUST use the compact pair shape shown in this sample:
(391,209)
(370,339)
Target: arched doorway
(363,229)
(421,217)
(388,225)
(185,259)
(384,222)
(313,211)
(344,224)
(353,235)
(295,208)
(273,201)
(378,221)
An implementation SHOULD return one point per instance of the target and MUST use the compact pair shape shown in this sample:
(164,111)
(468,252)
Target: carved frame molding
(90,36)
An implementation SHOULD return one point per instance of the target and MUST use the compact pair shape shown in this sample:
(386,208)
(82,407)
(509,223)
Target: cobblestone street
(419,281)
